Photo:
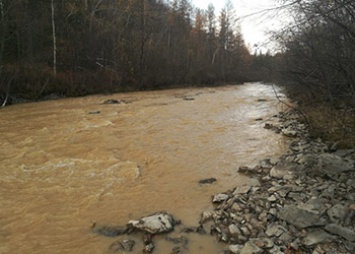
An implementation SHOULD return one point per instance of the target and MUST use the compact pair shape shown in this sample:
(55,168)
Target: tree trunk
(54,41)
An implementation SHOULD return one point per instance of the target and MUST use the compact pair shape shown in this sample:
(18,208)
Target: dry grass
(332,124)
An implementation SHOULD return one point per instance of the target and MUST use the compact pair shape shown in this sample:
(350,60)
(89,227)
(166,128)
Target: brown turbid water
(62,169)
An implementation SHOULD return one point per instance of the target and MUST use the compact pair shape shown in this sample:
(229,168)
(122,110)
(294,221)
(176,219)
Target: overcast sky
(253,27)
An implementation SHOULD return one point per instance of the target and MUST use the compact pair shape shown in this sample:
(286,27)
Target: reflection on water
(62,168)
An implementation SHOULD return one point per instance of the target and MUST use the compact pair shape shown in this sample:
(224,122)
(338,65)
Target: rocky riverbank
(304,202)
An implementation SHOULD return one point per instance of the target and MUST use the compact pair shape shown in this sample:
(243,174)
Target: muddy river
(63,168)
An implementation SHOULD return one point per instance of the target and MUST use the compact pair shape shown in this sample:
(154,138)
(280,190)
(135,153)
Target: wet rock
(317,237)
(220,198)
(112,101)
(156,223)
(344,232)
(250,170)
(205,216)
(266,164)
(94,112)
(109,231)
(299,217)
(207,180)
(149,248)
(178,240)
(201,230)
(147,238)
(188,230)
(125,245)
(296,200)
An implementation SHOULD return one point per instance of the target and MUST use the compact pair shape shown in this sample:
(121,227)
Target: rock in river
(207,180)
(160,222)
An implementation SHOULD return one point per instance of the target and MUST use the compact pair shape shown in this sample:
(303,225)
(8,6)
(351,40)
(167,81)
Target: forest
(316,65)
(79,47)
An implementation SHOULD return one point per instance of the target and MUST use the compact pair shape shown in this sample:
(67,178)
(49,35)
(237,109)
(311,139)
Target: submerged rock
(125,245)
(148,248)
(207,180)
(109,231)
(112,101)
(160,222)
(94,112)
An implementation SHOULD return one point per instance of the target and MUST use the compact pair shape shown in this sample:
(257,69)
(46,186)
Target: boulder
(160,222)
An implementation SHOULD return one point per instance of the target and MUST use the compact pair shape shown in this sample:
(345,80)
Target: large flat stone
(346,233)
(299,217)
(317,237)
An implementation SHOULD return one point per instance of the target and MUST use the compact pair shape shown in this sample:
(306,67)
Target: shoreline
(305,202)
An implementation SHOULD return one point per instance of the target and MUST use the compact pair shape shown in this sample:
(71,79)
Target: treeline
(317,65)
(319,50)
(77,47)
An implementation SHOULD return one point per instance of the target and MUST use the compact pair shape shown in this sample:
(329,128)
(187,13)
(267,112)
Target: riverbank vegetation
(74,48)
(316,65)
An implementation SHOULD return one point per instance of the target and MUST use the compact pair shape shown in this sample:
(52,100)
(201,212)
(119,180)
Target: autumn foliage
(108,46)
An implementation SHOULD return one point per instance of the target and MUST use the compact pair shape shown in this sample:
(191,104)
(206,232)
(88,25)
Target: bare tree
(54,39)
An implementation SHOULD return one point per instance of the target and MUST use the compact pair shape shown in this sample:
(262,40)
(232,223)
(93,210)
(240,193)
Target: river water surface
(62,169)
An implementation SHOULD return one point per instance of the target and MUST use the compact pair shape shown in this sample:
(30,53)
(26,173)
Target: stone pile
(305,202)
